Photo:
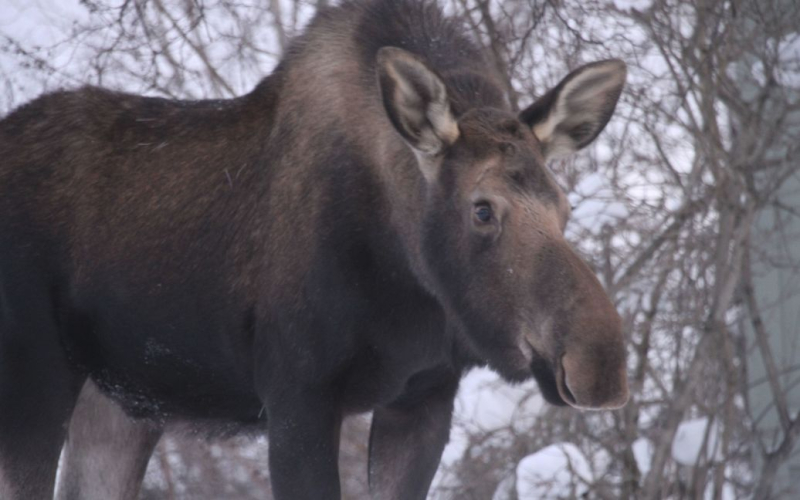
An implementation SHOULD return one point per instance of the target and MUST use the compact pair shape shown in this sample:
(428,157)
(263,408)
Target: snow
(688,442)
(632,4)
(505,490)
(643,454)
(487,403)
(557,471)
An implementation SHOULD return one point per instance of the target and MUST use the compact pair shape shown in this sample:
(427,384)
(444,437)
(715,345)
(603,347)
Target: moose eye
(483,212)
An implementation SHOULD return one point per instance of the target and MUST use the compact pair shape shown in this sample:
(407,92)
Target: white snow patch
(632,4)
(688,442)
(643,454)
(557,471)
(505,490)
(487,403)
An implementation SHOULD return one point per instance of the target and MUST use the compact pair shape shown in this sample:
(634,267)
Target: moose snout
(593,376)
(588,353)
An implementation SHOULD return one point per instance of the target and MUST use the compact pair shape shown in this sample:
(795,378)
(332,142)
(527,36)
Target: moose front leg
(407,439)
(106,452)
(304,447)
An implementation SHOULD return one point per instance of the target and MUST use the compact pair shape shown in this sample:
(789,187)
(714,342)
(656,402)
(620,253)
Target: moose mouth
(552,380)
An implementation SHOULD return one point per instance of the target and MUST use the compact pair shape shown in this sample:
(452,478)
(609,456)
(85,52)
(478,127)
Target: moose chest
(360,341)
(165,352)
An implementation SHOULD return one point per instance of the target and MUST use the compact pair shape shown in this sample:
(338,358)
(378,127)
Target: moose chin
(391,223)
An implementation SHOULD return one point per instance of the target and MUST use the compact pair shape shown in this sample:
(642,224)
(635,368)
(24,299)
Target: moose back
(365,225)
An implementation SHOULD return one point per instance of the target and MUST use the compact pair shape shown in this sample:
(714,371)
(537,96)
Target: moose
(368,223)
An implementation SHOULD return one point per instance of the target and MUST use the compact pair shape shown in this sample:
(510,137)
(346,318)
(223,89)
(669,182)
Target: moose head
(493,227)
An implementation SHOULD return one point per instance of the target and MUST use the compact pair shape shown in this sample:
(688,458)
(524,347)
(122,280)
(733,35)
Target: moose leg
(407,439)
(106,452)
(37,389)
(304,447)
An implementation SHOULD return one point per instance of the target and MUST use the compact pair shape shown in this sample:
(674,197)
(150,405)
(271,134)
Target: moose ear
(572,114)
(416,101)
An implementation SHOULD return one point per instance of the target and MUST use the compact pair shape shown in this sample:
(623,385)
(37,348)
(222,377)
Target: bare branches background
(687,209)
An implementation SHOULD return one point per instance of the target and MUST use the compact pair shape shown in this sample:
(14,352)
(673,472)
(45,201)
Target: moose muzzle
(593,376)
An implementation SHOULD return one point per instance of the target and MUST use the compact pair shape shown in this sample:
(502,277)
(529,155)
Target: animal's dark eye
(483,212)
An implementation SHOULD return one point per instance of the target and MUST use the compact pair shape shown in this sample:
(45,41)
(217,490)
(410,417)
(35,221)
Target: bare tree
(685,208)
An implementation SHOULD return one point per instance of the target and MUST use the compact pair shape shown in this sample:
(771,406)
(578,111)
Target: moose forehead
(501,153)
